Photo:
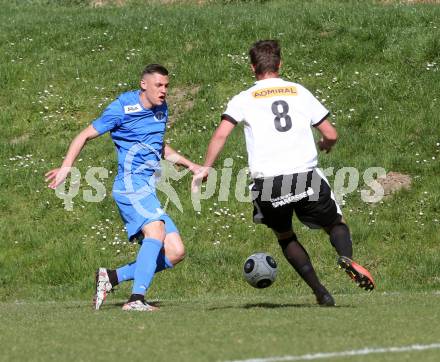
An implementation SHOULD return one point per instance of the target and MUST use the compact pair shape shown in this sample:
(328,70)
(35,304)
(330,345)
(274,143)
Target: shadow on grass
(262,305)
(277,305)
(110,305)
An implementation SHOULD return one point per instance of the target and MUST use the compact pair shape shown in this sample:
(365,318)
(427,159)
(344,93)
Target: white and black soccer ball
(260,270)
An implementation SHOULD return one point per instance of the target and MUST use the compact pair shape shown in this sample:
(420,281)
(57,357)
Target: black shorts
(308,194)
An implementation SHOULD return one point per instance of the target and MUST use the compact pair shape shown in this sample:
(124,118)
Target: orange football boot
(358,273)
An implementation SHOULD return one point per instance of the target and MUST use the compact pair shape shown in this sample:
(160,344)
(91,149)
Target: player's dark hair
(265,56)
(154,68)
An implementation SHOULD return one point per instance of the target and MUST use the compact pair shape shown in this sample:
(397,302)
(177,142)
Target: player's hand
(57,176)
(323,145)
(195,168)
(198,178)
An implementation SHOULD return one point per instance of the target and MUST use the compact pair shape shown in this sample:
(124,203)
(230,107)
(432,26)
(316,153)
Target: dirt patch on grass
(394,181)
(170,2)
(181,100)
(20,139)
(99,3)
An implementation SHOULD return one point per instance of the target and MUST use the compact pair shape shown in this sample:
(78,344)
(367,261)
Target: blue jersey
(137,133)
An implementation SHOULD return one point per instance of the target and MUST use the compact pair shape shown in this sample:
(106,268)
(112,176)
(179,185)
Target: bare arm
(215,146)
(173,156)
(58,175)
(329,136)
(217,142)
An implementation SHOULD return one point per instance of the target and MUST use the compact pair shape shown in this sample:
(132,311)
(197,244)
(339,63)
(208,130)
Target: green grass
(220,329)
(375,65)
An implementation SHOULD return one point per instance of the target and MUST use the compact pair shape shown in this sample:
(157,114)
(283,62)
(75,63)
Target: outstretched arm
(215,146)
(329,136)
(58,175)
(217,142)
(173,156)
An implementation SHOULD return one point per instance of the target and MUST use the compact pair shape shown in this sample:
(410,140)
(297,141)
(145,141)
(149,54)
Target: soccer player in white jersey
(282,156)
(137,122)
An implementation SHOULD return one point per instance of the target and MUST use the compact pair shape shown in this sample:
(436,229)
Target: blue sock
(126,272)
(146,265)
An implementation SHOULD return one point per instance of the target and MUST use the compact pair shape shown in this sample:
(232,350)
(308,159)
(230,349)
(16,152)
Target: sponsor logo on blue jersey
(132,108)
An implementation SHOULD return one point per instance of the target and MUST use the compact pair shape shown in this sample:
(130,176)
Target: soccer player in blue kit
(136,121)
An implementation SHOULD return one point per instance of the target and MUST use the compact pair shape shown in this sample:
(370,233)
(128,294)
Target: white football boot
(139,306)
(103,286)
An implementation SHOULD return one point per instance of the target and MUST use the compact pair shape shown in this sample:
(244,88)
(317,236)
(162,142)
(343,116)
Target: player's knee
(174,248)
(339,229)
(286,241)
(306,268)
(179,254)
(340,222)
(283,234)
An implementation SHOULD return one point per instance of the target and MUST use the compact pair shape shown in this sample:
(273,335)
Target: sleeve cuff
(229,119)
(97,128)
(322,120)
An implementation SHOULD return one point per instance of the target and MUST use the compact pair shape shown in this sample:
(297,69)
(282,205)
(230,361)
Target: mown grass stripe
(358,352)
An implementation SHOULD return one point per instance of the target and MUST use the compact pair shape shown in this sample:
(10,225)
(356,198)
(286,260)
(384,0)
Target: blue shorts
(140,208)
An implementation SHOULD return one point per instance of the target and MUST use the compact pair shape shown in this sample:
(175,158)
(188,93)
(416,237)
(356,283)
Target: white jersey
(277,117)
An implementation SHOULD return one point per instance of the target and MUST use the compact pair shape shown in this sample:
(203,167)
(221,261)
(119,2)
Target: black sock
(113,276)
(135,297)
(341,240)
(297,256)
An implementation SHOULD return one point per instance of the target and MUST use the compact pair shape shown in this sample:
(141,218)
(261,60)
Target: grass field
(221,329)
(374,64)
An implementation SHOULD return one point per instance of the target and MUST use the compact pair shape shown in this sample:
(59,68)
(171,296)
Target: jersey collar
(267,80)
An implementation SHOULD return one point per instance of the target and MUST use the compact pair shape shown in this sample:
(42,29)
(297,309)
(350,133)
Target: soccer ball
(260,270)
